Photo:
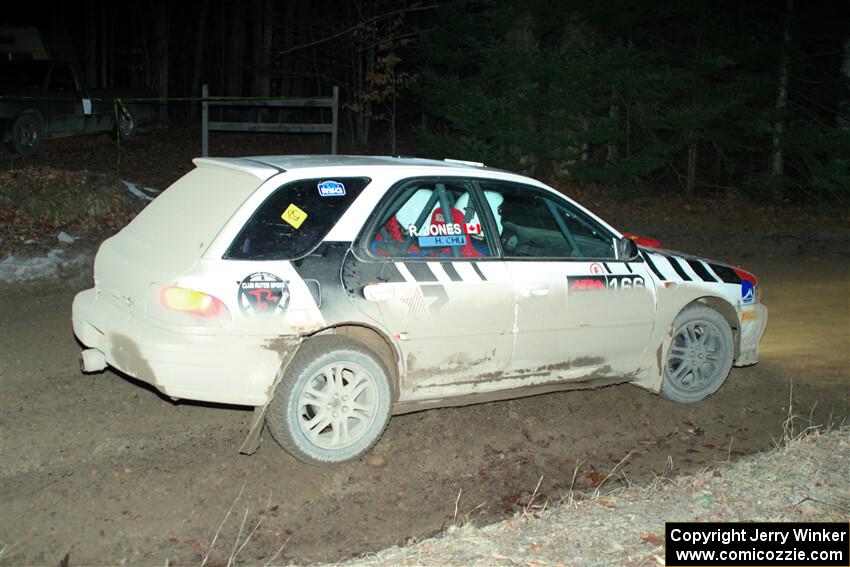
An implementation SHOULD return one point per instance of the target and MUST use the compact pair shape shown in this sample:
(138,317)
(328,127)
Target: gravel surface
(806,479)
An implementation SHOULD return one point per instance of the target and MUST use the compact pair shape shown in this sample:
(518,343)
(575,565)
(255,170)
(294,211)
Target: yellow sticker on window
(294,216)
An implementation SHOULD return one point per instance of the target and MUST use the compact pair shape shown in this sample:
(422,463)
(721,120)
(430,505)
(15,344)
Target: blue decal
(331,189)
(442,241)
(748,294)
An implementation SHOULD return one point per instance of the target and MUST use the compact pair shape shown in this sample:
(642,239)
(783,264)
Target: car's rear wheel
(700,356)
(333,402)
(27,132)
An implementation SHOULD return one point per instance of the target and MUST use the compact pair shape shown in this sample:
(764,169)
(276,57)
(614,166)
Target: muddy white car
(330,292)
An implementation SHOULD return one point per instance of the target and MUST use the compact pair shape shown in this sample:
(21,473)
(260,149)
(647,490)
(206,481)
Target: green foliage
(620,93)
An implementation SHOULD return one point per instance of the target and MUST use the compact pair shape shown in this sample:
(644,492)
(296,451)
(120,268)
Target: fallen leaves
(196,544)
(653,539)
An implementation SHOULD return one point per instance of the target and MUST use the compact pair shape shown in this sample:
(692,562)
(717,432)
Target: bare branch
(359,25)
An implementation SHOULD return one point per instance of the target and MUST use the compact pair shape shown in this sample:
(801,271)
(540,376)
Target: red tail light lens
(191,301)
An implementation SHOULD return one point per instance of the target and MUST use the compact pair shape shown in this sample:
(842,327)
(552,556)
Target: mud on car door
(428,273)
(582,311)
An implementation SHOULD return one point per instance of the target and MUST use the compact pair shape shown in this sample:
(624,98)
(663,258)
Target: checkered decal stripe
(674,268)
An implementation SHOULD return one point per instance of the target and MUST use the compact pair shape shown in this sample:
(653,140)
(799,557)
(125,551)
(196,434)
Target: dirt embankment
(806,479)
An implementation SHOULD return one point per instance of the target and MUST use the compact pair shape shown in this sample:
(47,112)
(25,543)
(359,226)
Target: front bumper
(209,367)
(753,325)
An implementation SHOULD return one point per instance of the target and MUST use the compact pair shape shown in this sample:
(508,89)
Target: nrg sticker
(262,293)
(331,189)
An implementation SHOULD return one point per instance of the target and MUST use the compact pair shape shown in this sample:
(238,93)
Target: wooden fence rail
(314,128)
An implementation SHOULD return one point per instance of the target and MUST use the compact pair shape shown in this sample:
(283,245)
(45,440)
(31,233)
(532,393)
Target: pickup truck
(48,99)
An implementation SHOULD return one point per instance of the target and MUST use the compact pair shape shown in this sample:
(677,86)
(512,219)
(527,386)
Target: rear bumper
(753,325)
(209,367)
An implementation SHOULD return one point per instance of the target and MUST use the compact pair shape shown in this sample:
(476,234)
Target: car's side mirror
(627,249)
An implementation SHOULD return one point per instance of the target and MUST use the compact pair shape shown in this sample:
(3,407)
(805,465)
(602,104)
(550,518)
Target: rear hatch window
(294,219)
(169,236)
(189,214)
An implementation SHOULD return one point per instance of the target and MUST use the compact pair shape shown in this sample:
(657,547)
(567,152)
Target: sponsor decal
(748,292)
(443,229)
(294,216)
(331,189)
(262,293)
(624,283)
(596,269)
(583,284)
(442,241)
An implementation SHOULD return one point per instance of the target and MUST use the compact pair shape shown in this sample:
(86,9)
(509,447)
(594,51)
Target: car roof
(295,162)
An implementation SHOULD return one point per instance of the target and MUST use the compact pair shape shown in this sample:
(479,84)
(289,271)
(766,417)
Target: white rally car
(329,292)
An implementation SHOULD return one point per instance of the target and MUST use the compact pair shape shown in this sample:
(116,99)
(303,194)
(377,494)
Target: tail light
(186,307)
(190,301)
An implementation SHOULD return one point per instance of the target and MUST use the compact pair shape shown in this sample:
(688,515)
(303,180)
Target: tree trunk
(777,165)
(236,49)
(198,61)
(91,44)
(690,185)
(104,51)
(843,118)
(264,84)
(614,115)
(364,62)
(263,30)
(161,57)
(393,148)
(288,41)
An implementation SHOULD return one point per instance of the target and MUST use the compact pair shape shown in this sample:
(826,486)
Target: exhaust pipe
(92,360)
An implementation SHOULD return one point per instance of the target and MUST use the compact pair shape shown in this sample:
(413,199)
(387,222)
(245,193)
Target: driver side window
(531,224)
(416,226)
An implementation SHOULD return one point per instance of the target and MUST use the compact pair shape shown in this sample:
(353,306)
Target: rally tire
(333,402)
(700,355)
(27,133)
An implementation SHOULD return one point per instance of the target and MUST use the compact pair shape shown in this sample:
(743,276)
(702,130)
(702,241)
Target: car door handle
(379,292)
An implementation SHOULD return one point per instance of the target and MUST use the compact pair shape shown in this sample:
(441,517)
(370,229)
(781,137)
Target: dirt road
(106,470)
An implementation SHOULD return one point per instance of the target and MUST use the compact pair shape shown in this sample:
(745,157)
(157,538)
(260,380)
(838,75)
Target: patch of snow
(65,238)
(14,269)
(55,264)
(141,192)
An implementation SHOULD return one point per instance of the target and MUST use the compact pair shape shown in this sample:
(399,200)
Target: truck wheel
(125,127)
(332,404)
(27,131)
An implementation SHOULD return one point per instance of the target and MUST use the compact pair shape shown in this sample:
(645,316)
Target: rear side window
(295,218)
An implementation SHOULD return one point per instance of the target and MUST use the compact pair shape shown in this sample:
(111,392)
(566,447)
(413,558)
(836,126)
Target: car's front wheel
(700,357)
(333,402)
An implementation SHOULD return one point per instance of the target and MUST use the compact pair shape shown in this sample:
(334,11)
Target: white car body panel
(460,329)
